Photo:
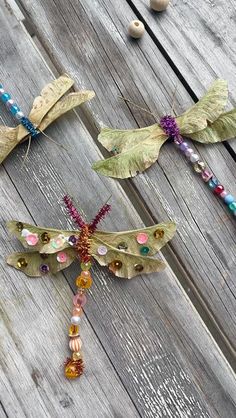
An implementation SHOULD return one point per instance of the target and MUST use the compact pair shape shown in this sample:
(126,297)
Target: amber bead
(84,281)
(73,368)
(73,330)
(115,265)
(159,233)
(138,267)
(45,237)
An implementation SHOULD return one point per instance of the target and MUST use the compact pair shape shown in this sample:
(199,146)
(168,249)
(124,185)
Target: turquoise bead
(228,199)
(232,206)
(144,250)
(5,97)
(213,182)
(14,109)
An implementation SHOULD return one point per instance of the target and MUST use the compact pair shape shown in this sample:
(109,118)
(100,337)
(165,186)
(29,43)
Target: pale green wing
(8,141)
(207,109)
(49,95)
(153,237)
(70,101)
(124,264)
(136,149)
(49,240)
(222,129)
(34,264)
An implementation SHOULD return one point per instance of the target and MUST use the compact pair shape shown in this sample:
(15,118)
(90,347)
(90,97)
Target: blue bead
(5,97)
(213,182)
(1,86)
(232,207)
(228,199)
(14,109)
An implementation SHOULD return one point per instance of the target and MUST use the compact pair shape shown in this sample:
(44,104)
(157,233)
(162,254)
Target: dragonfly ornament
(206,122)
(126,254)
(50,105)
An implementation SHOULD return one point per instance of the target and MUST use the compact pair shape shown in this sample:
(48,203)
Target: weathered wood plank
(199,39)
(151,347)
(112,64)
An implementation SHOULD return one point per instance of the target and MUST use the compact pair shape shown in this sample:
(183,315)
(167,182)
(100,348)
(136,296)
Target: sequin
(22,263)
(44,268)
(122,246)
(102,250)
(57,242)
(45,237)
(62,257)
(159,233)
(19,226)
(115,265)
(25,232)
(138,267)
(72,239)
(32,239)
(142,238)
(144,250)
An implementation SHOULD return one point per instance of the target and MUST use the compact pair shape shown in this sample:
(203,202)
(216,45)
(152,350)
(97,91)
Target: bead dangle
(17,113)
(169,125)
(74,365)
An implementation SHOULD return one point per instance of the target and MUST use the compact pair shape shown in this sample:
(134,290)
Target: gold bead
(73,330)
(136,29)
(159,5)
(22,263)
(199,166)
(76,356)
(159,233)
(20,226)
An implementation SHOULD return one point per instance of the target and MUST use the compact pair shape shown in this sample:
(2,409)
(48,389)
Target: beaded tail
(74,365)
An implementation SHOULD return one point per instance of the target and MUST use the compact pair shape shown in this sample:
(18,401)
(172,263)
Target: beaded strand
(169,125)
(17,113)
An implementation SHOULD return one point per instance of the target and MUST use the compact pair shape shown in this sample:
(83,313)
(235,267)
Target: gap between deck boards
(129,188)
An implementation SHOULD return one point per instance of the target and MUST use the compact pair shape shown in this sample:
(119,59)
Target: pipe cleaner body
(137,149)
(125,253)
(46,108)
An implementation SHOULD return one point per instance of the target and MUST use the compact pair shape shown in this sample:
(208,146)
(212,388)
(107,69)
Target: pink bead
(32,239)
(223,194)
(142,238)
(85,273)
(206,175)
(79,299)
(62,257)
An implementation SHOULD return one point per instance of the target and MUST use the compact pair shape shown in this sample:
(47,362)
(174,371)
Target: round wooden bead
(159,5)
(136,29)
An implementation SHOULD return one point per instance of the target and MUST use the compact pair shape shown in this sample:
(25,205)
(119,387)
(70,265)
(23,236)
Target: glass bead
(144,250)
(142,238)
(62,257)
(84,282)
(73,368)
(178,140)
(45,237)
(19,115)
(102,250)
(219,189)
(72,240)
(80,299)
(75,320)
(5,97)
(194,158)
(20,226)
(22,263)
(25,232)
(32,239)
(213,182)
(14,109)
(199,166)
(206,175)
(223,194)
(159,233)
(9,103)
(183,146)
(73,330)
(44,268)
(122,246)
(77,311)
(85,266)
(138,267)
(232,206)
(228,199)
(189,152)
(115,265)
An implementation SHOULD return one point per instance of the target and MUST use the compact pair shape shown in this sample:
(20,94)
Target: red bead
(219,189)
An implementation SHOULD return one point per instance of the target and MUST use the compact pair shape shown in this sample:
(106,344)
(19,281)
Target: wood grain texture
(93,47)
(147,350)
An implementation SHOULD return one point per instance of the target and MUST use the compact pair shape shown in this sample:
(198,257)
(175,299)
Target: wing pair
(47,107)
(138,149)
(127,254)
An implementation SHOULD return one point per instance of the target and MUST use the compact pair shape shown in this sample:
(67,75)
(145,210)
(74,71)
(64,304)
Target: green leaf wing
(30,262)
(137,149)
(222,129)
(157,236)
(207,109)
(17,228)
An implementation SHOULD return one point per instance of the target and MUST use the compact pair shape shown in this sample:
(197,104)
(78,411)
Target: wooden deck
(156,346)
